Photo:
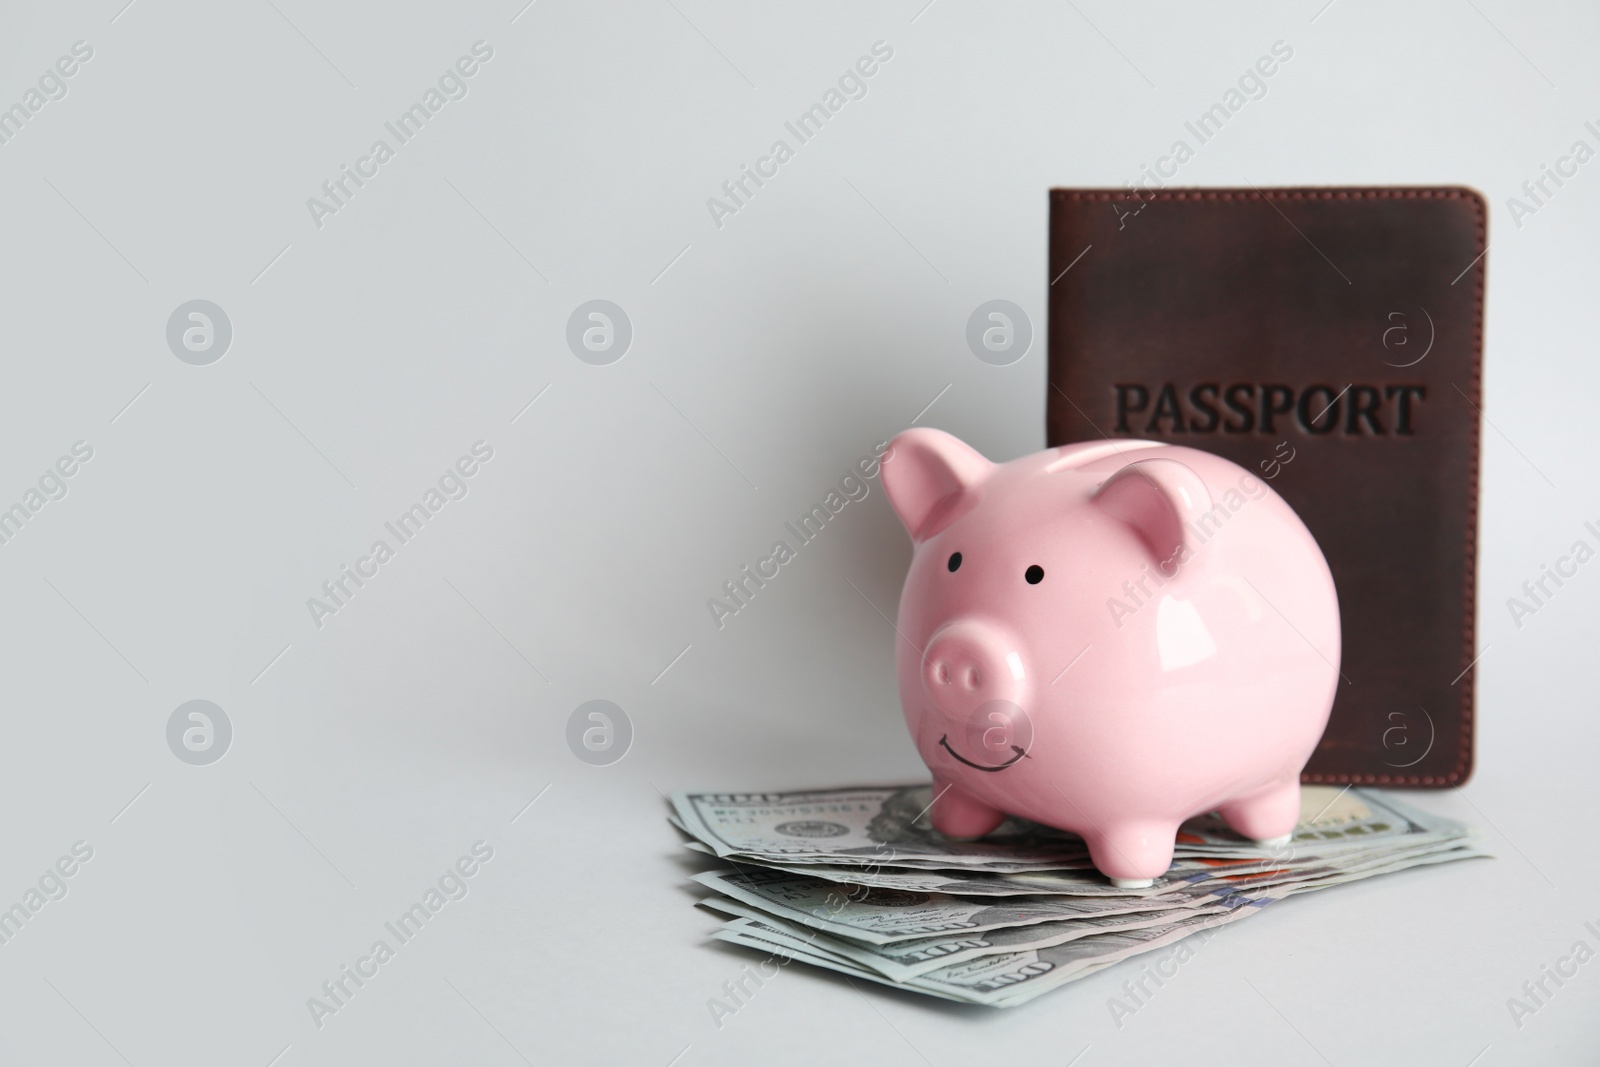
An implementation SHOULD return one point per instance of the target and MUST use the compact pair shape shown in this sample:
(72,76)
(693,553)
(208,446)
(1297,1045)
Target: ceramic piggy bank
(1109,638)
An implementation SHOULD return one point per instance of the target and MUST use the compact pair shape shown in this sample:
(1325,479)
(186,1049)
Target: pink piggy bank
(1109,638)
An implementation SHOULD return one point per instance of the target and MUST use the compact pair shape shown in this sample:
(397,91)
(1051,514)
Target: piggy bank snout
(968,664)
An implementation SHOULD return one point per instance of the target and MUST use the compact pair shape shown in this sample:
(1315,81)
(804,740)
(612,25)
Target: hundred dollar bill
(1285,855)
(1088,883)
(1007,978)
(862,825)
(888,826)
(1219,875)
(1331,821)
(901,862)
(1385,865)
(885,916)
(1290,855)
(754,936)
(904,960)
(999,980)
(888,917)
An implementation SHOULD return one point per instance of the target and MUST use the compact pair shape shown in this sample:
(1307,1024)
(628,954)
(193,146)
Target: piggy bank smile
(1021,753)
(991,736)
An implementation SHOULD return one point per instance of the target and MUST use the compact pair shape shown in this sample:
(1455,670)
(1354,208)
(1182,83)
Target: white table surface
(768,354)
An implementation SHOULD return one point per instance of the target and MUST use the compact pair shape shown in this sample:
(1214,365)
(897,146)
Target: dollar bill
(879,916)
(888,826)
(1013,965)
(887,859)
(998,980)
(884,917)
(1217,876)
(859,882)
(1332,821)
(863,825)
(904,960)
(754,935)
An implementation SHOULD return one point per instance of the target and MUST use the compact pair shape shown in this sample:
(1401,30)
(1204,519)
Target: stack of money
(858,881)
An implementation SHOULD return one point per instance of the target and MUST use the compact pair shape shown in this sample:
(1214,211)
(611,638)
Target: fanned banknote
(857,881)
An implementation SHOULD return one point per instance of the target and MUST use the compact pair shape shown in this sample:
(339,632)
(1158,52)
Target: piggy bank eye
(955,561)
(1034,574)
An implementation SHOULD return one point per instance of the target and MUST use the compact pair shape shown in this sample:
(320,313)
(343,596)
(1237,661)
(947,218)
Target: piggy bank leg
(1269,816)
(959,815)
(1133,854)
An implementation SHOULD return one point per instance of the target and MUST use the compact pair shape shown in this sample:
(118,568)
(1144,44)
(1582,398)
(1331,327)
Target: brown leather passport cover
(1330,341)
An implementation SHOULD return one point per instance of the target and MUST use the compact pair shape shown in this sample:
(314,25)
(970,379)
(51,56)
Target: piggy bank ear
(932,479)
(1157,498)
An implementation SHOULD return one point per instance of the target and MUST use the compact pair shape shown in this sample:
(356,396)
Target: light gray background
(768,356)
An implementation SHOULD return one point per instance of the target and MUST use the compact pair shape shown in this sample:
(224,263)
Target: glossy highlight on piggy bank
(1109,638)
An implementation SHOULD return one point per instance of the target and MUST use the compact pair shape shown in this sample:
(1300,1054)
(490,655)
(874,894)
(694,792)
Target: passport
(1328,340)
